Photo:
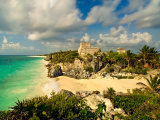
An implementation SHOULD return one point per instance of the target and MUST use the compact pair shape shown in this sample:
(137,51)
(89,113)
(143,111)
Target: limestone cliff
(75,65)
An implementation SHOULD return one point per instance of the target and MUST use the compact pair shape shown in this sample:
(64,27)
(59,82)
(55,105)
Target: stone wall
(121,50)
(85,49)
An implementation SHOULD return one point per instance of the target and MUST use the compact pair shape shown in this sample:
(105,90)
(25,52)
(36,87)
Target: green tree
(153,84)
(128,56)
(148,54)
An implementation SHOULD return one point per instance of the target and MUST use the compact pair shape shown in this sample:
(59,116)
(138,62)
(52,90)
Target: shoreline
(36,56)
(97,84)
(50,84)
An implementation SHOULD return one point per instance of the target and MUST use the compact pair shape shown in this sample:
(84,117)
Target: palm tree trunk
(128,63)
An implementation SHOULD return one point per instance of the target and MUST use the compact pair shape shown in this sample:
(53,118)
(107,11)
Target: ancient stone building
(85,48)
(121,50)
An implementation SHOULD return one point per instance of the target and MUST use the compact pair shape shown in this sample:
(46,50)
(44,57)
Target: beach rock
(83,94)
(55,71)
(120,111)
(78,73)
(117,111)
(117,68)
(94,99)
(69,93)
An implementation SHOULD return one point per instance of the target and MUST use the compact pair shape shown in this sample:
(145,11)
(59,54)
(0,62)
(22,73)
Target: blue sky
(38,27)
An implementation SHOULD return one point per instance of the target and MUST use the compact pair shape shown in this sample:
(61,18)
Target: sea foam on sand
(51,86)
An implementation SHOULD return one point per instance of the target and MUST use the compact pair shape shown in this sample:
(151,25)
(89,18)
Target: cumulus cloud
(69,44)
(135,5)
(120,37)
(14,46)
(87,38)
(104,13)
(51,20)
(146,16)
(43,20)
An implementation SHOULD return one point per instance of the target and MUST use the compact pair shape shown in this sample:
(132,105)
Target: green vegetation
(60,106)
(142,71)
(62,57)
(115,58)
(89,57)
(89,69)
(109,93)
(109,69)
(139,106)
(153,84)
(123,77)
(148,54)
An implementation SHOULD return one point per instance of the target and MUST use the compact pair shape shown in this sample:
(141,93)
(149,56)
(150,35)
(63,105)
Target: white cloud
(5,40)
(43,20)
(87,38)
(121,37)
(104,13)
(14,46)
(146,17)
(134,5)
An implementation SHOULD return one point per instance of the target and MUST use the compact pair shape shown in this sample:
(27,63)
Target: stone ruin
(85,48)
(121,50)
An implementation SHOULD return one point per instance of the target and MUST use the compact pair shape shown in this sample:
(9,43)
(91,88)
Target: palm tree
(153,84)
(148,54)
(128,56)
(144,52)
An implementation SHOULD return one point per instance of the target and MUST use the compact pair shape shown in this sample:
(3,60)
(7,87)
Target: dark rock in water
(55,71)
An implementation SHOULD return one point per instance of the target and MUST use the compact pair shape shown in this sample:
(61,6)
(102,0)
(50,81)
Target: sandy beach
(120,85)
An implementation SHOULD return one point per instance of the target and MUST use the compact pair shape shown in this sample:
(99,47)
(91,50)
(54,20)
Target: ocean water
(22,77)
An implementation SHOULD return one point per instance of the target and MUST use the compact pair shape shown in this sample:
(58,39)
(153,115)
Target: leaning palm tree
(153,84)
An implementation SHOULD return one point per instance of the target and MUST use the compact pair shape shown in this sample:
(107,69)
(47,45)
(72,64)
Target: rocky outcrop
(93,99)
(69,93)
(83,94)
(55,71)
(78,73)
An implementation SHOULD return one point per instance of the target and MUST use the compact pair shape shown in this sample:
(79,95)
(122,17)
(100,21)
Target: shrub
(89,57)
(109,93)
(136,70)
(61,106)
(3,115)
(89,69)
(124,77)
(109,70)
(139,105)
(96,92)
(61,57)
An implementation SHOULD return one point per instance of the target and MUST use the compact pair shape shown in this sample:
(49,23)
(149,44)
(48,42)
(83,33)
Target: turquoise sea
(21,77)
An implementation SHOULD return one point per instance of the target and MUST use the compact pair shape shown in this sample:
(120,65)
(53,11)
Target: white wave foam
(50,86)
(18,91)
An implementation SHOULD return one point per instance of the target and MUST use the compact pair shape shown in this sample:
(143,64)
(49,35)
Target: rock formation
(55,71)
